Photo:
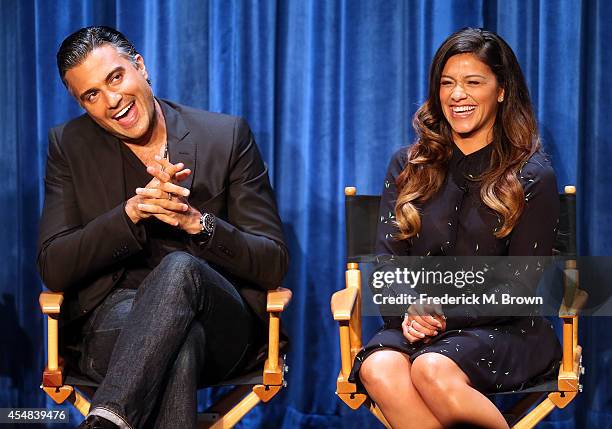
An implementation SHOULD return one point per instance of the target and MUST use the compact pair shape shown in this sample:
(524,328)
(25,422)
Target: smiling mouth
(123,113)
(463,109)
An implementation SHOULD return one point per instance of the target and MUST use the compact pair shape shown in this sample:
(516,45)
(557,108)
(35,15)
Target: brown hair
(515,137)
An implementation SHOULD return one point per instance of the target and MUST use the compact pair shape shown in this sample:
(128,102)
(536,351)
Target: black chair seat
(545,386)
(78,380)
(251,378)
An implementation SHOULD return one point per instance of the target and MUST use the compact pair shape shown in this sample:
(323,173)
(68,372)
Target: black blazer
(85,234)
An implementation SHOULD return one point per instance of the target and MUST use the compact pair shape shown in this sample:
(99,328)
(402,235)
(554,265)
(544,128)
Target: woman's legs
(446,391)
(386,375)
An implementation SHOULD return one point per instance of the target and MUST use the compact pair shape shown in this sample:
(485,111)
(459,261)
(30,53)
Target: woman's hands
(422,322)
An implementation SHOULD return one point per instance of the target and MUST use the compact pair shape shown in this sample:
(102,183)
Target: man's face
(114,93)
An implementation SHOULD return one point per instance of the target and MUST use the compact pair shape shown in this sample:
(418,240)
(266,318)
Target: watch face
(209,223)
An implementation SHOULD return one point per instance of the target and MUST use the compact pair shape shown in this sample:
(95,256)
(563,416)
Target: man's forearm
(76,255)
(255,258)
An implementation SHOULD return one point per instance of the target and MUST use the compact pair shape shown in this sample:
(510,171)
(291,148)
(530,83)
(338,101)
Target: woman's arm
(533,235)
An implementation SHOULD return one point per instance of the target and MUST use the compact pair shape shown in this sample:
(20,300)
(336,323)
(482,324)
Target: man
(160,227)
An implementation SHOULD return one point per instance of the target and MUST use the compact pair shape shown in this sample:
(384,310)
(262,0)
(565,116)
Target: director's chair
(361,217)
(259,386)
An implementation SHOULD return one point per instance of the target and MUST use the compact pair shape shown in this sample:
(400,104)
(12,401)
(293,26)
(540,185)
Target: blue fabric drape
(329,88)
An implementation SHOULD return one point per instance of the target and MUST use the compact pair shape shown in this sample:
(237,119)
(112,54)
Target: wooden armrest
(342,303)
(51,302)
(278,299)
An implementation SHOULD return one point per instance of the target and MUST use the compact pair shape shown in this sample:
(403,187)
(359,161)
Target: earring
(500,99)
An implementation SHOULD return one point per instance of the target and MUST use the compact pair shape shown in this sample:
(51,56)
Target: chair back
(361,220)
(565,242)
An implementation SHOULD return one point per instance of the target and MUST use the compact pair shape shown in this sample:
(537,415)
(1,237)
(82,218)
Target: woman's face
(469,94)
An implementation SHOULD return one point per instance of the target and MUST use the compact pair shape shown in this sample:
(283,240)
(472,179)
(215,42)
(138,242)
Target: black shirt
(158,238)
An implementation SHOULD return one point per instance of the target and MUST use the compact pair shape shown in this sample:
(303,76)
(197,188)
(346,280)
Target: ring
(411,322)
(169,196)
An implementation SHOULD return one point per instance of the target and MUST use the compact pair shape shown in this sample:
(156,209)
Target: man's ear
(74,95)
(140,65)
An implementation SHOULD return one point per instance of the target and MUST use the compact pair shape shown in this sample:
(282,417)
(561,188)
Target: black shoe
(97,422)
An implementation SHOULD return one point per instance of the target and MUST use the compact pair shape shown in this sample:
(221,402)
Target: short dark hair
(75,48)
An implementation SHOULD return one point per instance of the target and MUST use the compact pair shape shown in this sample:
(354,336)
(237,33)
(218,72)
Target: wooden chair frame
(346,309)
(223,414)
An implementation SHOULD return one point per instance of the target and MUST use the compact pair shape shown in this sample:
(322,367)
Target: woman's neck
(470,143)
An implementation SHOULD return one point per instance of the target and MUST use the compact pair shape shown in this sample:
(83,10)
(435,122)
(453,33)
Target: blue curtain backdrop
(329,88)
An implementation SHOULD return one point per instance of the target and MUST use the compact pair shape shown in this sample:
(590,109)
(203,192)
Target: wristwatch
(207,228)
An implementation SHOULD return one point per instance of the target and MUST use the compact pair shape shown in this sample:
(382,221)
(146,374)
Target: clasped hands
(164,199)
(422,322)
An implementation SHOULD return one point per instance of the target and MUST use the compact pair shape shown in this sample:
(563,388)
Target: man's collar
(176,129)
(181,147)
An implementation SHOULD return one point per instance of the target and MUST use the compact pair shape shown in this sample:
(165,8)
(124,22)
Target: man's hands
(422,322)
(164,199)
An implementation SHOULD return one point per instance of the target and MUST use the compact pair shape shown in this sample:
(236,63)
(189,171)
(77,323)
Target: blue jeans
(185,327)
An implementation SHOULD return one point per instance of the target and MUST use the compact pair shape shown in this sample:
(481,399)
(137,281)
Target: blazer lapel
(108,165)
(109,162)
(181,148)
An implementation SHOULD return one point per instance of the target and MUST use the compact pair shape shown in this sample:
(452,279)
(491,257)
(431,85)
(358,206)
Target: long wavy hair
(515,137)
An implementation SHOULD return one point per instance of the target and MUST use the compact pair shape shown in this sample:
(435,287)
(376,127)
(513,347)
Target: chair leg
(80,403)
(60,394)
(231,408)
(554,399)
(536,415)
(237,413)
(518,411)
(223,405)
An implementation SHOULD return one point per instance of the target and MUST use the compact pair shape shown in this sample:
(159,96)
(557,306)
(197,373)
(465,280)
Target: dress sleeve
(533,235)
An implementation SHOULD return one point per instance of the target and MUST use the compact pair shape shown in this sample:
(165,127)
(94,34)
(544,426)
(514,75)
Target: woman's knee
(436,374)
(380,368)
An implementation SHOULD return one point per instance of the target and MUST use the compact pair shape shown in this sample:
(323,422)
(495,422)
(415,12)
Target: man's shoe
(97,422)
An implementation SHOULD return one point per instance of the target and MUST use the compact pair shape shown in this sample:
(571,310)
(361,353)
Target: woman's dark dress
(497,354)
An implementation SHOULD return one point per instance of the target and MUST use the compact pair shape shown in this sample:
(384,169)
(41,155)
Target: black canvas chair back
(565,243)
(361,220)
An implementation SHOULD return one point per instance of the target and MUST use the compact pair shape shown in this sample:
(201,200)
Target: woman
(475,183)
